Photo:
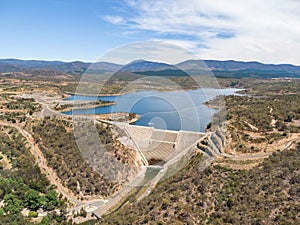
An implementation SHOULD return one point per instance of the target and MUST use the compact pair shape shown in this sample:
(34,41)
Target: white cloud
(114,19)
(268,31)
(185,44)
(157,51)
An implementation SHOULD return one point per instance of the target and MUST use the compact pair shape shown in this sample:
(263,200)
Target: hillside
(244,190)
(257,186)
(229,68)
(231,65)
(266,194)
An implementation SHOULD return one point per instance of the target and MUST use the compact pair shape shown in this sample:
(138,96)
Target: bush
(33,214)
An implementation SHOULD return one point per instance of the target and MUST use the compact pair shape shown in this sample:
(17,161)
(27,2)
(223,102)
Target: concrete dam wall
(159,146)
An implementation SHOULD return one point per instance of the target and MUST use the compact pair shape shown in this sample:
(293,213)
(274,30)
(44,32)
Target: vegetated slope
(271,87)
(15,108)
(266,194)
(60,149)
(255,122)
(22,185)
(77,67)
(232,65)
(56,140)
(265,122)
(229,68)
(164,73)
(16,65)
(143,65)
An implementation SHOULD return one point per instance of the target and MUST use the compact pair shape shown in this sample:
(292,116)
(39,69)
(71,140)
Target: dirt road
(42,163)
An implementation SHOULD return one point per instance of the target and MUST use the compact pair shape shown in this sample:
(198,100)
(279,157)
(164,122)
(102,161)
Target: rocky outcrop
(213,143)
(203,146)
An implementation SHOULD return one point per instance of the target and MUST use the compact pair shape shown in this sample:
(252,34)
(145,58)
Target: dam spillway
(159,146)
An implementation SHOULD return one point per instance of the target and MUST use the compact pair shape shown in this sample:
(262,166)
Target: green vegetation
(264,116)
(268,114)
(58,145)
(94,87)
(266,194)
(56,139)
(260,111)
(23,185)
(254,73)
(15,109)
(272,87)
(60,107)
(12,144)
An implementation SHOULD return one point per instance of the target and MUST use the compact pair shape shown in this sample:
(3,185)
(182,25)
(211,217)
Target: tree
(82,213)
(33,199)
(12,204)
(45,221)
(51,200)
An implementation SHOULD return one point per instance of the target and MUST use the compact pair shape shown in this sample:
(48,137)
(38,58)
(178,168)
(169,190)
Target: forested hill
(229,68)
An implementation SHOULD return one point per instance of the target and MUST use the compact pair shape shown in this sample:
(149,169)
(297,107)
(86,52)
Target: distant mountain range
(229,68)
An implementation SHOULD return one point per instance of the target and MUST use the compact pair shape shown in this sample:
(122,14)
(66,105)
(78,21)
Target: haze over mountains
(228,68)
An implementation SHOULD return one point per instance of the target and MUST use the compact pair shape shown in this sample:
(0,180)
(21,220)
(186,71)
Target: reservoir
(176,110)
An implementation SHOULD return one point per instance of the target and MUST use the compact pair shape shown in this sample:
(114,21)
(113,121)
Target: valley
(261,125)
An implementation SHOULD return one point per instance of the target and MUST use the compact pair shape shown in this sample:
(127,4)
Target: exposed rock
(213,143)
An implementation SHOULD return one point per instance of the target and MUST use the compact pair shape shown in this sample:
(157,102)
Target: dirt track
(41,161)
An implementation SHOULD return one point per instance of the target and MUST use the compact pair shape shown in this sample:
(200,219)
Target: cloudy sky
(256,30)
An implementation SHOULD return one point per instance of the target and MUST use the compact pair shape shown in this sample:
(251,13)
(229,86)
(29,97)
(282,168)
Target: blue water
(178,110)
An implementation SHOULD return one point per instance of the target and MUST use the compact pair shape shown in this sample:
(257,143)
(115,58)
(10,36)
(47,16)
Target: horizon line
(83,61)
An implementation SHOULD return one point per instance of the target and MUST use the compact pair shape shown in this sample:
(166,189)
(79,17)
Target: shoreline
(109,116)
(92,95)
(139,90)
(88,107)
(135,119)
(214,104)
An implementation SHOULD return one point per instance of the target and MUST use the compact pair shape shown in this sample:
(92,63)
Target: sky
(267,31)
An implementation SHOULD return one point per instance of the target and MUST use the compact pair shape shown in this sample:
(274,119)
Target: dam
(164,150)
(157,146)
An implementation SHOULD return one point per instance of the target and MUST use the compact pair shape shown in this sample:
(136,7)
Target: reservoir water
(177,110)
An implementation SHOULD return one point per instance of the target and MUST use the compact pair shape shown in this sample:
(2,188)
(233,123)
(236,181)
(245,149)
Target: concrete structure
(159,146)
(165,149)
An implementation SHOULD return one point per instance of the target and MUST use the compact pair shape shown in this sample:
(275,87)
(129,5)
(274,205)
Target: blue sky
(58,29)
(267,31)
